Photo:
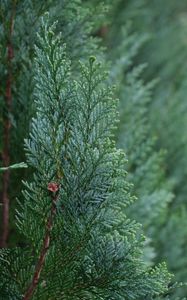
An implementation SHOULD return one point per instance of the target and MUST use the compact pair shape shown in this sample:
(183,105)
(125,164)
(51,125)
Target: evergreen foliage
(19,21)
(78,242)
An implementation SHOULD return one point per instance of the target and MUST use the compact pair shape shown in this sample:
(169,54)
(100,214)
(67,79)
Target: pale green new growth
(15,166)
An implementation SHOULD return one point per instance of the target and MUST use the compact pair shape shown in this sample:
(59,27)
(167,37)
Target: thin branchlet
(45,247)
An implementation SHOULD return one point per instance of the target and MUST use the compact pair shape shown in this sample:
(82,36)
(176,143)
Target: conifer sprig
(80,246)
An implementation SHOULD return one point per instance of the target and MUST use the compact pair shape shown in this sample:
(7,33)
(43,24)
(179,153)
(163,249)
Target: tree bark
(6,135)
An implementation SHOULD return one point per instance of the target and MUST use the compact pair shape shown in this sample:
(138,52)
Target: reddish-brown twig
(45,246)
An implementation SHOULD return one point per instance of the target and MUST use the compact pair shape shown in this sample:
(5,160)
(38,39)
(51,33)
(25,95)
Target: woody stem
(43,253)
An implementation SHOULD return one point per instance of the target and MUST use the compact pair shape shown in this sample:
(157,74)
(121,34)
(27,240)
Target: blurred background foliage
(164,51)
